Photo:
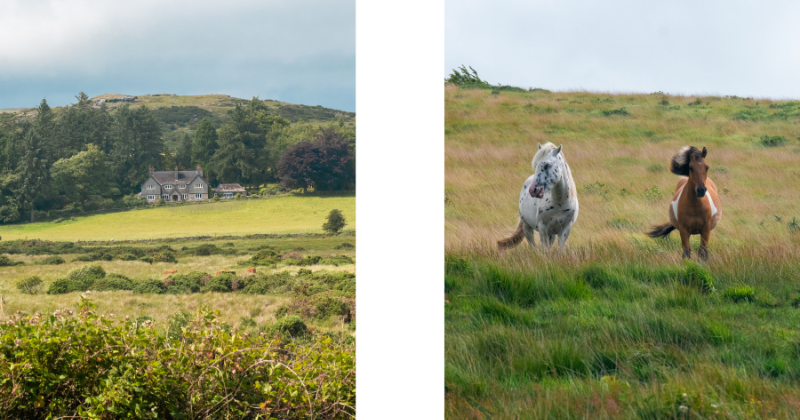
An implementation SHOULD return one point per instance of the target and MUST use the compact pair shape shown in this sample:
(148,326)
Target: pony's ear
(540,145)
(704,152)
(558,150)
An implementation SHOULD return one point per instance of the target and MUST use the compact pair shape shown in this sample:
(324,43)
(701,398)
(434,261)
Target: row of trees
(85,157)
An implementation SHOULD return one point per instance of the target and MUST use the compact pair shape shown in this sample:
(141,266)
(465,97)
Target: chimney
(151,170)
(199,171)
(176,171)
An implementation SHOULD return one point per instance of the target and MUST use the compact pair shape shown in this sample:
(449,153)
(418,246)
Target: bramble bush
(85,365)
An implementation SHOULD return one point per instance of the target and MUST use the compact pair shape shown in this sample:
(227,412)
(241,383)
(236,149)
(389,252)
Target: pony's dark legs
(687,250)
(704,236)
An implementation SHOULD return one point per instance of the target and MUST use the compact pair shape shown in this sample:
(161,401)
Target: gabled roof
(168,177)
(229,188)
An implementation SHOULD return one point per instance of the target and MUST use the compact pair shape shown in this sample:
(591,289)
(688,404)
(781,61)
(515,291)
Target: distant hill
(177,111)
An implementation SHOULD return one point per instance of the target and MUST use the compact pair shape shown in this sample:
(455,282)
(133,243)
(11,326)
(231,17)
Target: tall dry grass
(491,139)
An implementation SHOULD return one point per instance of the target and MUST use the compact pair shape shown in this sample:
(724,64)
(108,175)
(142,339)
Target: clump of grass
(620,111)
(740,294)
(698,276)
(772,141)
(599,277)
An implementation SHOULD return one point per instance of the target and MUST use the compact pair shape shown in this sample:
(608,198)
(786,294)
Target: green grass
(269,215)
(618,326)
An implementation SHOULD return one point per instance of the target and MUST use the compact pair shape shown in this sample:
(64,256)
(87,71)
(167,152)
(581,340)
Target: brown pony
(695,208)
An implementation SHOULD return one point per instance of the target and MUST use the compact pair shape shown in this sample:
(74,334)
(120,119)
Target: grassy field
(618,326)
(159,307)
(290,214)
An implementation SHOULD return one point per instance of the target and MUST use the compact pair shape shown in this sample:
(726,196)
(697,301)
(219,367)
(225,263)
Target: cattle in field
(169,271)
(251,270)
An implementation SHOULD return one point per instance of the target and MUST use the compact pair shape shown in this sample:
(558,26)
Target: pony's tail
(660,231)
(512,240)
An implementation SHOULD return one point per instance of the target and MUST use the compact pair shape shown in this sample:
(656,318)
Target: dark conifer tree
(33,172)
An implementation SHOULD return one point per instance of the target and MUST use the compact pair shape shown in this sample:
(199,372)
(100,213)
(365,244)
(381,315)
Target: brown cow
(251,270)
(219,272)
(169,271)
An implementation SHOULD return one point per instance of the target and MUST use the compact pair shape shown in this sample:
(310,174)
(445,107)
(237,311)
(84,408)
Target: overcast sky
(298,51)
(728,47)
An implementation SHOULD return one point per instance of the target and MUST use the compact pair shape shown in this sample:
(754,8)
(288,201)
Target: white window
(150,187)
(185,196)
(169,187)
(228,194)
(182,186)
(151,197)
(198,196)
(165,196)
(198,185)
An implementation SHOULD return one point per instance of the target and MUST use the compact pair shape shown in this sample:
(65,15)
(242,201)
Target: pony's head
(548,171)
(691,161)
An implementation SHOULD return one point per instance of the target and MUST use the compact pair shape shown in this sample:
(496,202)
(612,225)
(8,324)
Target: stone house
(175,186)
(229,190)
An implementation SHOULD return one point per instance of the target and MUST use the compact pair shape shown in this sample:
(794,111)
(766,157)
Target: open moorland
(618,325)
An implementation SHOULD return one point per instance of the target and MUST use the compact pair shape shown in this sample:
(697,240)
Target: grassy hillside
(618,326)
(217,106)
(268,215)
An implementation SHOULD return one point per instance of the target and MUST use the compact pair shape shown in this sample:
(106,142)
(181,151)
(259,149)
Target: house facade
(175,186)
(229,190)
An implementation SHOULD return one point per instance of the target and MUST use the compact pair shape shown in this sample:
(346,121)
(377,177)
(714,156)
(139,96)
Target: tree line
(85,157)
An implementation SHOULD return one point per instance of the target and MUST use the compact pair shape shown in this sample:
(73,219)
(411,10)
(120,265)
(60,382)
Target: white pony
(548,202)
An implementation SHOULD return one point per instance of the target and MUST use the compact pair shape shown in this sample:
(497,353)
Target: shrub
(319,306)
(309,260)
(30,285)
(51,260)
(220,283)
(144,377)
(335,222)
(292,325)
(344,245)
(113,282)
(210,249)
(149,286)
(147,258)
(164,256)
(187,283)
(7,262)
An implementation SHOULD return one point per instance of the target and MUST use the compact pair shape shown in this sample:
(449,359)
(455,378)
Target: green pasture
(279,215)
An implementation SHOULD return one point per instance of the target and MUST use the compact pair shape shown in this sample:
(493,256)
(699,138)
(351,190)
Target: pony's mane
(680,162)
(541,153)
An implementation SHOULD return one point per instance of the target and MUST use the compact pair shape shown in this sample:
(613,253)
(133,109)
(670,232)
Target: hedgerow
(83,365)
